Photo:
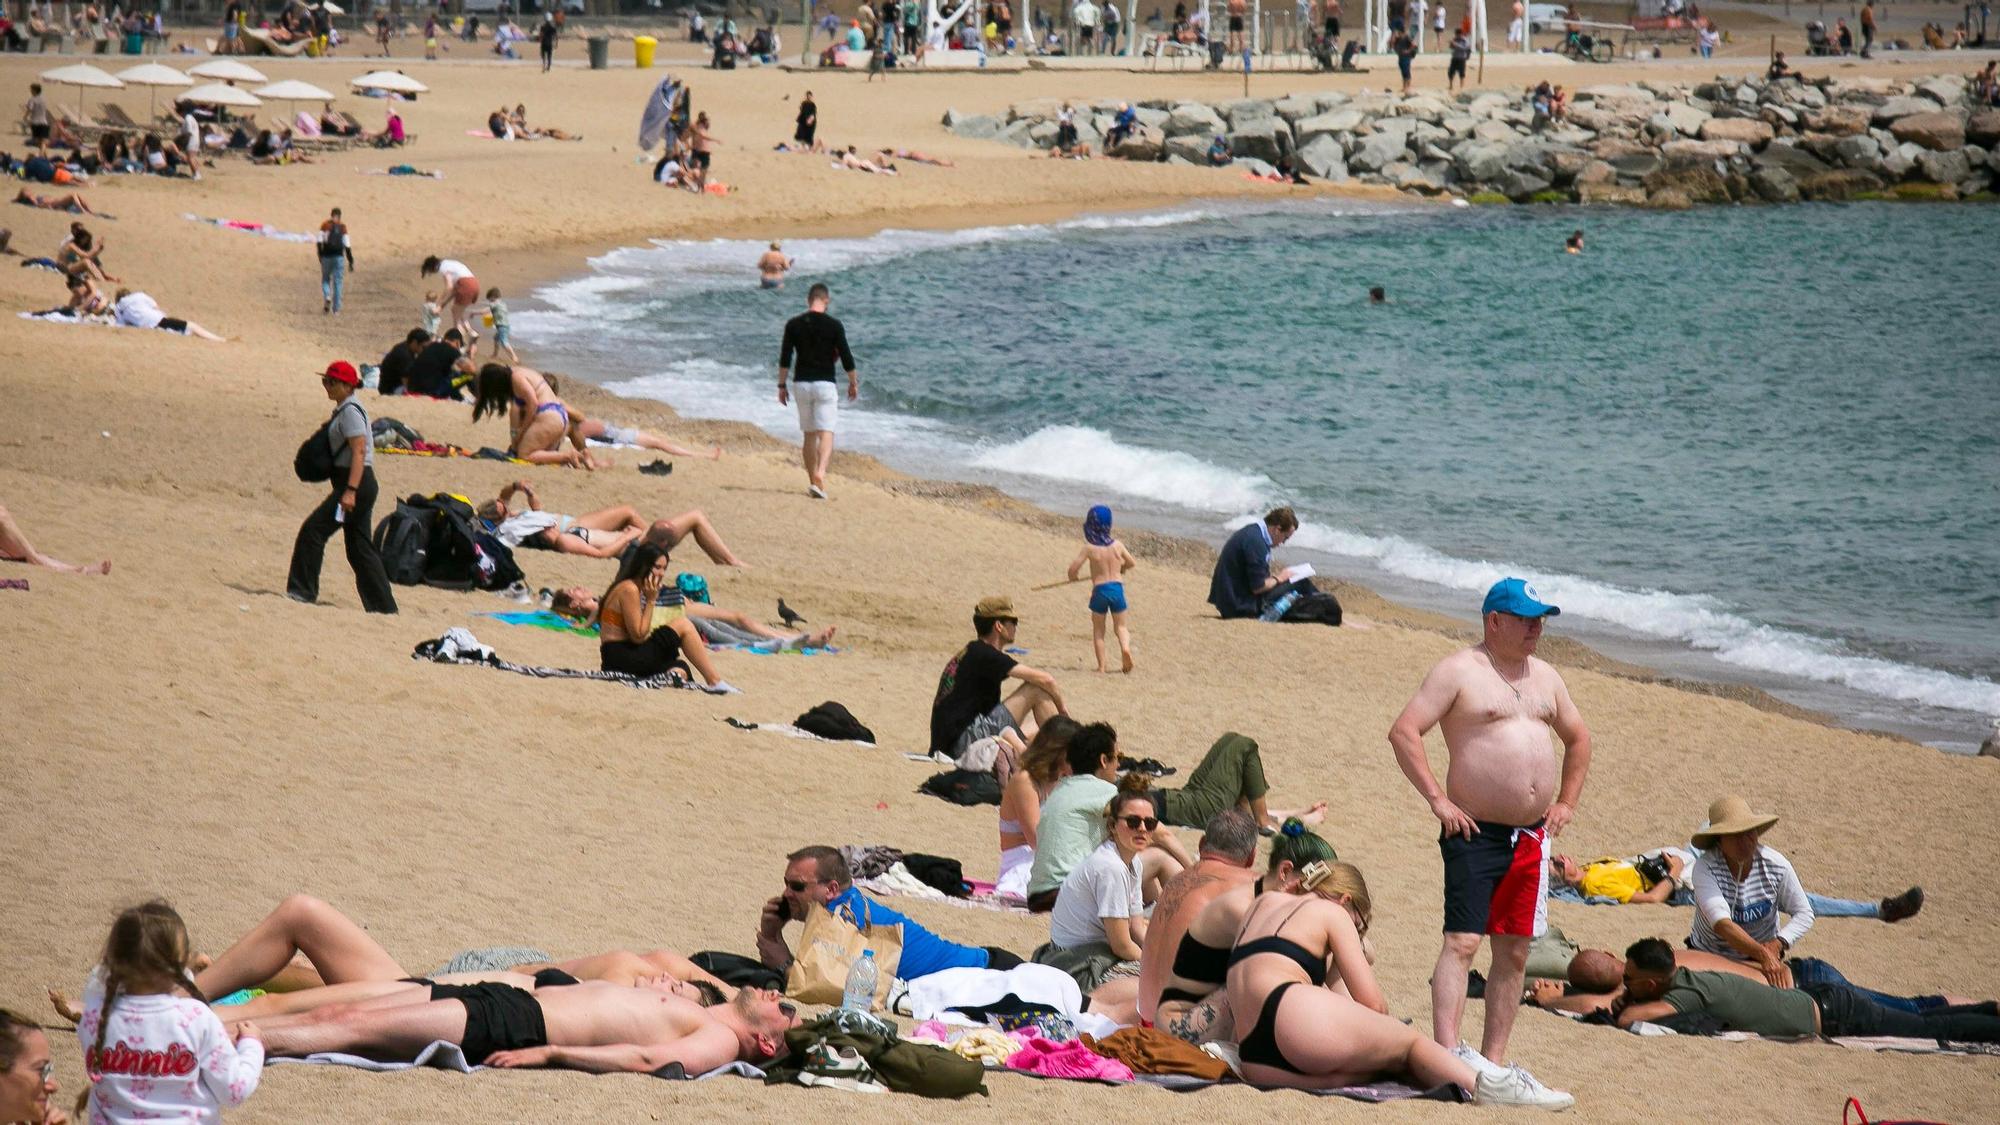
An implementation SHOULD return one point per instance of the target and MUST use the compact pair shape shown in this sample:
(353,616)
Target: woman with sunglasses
(27,1076)
(1337,1032)
(1099,923)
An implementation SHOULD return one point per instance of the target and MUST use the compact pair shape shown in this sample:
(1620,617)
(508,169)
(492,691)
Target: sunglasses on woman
(1135,823)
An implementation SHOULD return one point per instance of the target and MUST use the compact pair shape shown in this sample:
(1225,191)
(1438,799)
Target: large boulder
(1935,131)
(1191,147)
(1596,172)
(1150,117)
(1248,109)
(1334,121)
(1323,156)
(1494,131)
(1520,185)
(1944,89)
(1697,183)
(1606,93)
(1839,184)
(1900,107)
(1774,185)
(1794,162)
(979,128)
(1669,199)
(1459,125)
(1684,119)
(1839,120)
(1042,134)
(1018,133)
(1034,109)
(1422,107)
(1266,138)
(1779,117)
(1858,152)
(1611,193)
(1481,161)
(1637,165)
(1296,106)
(1488,104)
(1413,177)
(1192,117)
(1376,152)
(1699,152)
(1146,143)
(1742,130)
(1256,167)
(1944,167)
(1983,128)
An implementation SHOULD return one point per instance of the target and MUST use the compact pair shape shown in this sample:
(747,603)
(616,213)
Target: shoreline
(1186,552)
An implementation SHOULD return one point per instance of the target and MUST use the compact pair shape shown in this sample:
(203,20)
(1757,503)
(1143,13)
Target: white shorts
(817,401)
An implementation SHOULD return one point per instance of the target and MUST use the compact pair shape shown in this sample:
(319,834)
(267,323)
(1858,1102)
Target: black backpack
(452,553)
(495,568)
(964,787)
(314,461)
(831,720)
(335,243)
(1318,607)
(403,540)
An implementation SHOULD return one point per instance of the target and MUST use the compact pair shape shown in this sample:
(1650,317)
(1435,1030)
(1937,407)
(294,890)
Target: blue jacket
(1244,566)
(924,952)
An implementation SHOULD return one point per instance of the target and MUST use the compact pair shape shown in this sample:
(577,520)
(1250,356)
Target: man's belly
(1508,776)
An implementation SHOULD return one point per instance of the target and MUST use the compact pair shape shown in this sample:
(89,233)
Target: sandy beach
(181,729)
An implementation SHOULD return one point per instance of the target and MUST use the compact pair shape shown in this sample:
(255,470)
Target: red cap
(341,371)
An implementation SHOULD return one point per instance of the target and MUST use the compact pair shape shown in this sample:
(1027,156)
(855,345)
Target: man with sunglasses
(968,706)
(817,878)
(1499,806)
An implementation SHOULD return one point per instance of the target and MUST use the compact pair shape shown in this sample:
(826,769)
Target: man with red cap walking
(350,507)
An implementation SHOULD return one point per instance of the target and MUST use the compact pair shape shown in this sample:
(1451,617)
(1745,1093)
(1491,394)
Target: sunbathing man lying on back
(595,1026)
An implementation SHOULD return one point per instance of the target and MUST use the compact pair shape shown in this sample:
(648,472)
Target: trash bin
(600,51)
(642,51)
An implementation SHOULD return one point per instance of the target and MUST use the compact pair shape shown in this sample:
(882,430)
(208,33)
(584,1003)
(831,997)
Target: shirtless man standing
(595,1026)
(1499,805)
(1237,10)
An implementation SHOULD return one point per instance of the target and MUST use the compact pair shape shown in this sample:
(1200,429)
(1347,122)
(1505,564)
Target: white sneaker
(1479,1063)
(1515,1086)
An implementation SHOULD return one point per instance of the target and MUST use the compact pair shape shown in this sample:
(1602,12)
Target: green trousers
(1230,773)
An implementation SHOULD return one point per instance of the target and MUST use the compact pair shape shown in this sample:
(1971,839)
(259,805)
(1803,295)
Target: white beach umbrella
(153,75)
(228,70)
(83,76)
(292,91)
(215,93)
(332,8)
(391,80)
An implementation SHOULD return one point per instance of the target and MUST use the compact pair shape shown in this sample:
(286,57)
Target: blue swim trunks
(1108,597)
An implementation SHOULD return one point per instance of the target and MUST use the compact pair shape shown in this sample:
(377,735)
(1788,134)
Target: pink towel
(1067,1060)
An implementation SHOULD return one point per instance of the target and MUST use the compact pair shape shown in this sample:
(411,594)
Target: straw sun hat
(1728,816)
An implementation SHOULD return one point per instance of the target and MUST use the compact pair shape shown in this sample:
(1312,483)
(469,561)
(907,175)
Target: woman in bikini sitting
(537,420)
(628,638)
(717,626)
(1045,762)
(1337,1032)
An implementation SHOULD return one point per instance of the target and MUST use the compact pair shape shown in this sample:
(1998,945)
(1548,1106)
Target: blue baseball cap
(1514,596)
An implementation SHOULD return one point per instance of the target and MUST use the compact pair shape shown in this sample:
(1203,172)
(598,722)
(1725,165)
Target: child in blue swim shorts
(1108,561)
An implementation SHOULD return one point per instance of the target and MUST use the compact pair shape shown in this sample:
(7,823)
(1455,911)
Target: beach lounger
(114,115)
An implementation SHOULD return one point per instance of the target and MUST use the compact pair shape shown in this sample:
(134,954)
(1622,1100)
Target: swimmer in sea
(1378,296)
(771,267)
(1575,243)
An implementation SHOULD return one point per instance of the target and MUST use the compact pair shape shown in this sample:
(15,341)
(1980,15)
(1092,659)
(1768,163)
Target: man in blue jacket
(817,877)
(1243,584)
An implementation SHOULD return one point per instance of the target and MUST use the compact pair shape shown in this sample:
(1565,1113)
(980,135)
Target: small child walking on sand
(433,312)
(1108,560)
(152,1047)
(503,332)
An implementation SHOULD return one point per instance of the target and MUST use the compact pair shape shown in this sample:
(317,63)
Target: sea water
(1754,444)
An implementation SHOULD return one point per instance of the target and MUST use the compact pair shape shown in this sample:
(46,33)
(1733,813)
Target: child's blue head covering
(1097,526)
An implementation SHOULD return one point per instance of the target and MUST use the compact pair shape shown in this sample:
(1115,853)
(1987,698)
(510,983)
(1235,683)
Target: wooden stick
(1053,585)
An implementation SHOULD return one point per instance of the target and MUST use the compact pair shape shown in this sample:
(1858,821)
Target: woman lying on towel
(717,626)
(306,955)
(600,535)
(537,420)
(628,640)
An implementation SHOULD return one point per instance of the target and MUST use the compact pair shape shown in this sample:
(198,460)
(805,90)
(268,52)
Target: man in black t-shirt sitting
(968,706)
(436,370)
(397,364)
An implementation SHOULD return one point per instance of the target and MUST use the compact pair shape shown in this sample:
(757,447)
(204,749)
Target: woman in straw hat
(1740,888)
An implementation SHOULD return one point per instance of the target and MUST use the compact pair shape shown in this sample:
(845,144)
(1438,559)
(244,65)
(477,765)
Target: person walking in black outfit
(817,340)
(350,507)
(808,122)
(548,39)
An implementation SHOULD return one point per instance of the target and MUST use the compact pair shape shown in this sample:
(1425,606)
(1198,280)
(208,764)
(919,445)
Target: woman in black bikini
(627,640)
(1191,1003)
(1338,1033)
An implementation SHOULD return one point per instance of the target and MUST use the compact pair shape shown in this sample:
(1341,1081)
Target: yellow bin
(642,51)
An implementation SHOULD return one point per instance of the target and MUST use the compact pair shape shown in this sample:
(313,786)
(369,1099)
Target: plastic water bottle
(859,994)
(1279,608)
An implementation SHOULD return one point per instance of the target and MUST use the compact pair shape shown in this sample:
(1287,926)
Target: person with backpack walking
(349,507)
(336,257)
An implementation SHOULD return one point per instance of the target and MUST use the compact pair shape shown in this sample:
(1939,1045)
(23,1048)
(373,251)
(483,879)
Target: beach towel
(458,646)
(248,227)
(1851,1042)
(441,1055)
(14,584)
(493,959)
(403,170)
(542,619)
(64,316)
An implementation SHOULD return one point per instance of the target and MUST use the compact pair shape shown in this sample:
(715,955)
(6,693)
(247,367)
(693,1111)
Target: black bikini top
(1315,967)
(1197,960)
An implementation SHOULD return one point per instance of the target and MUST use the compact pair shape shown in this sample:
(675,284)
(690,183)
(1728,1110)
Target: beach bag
(493,565)
(694,588)
(832,721)
(1550,954)
(736,969)
(403,541)
(964,787)
(452,552)
(1315,608)
(830,946)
